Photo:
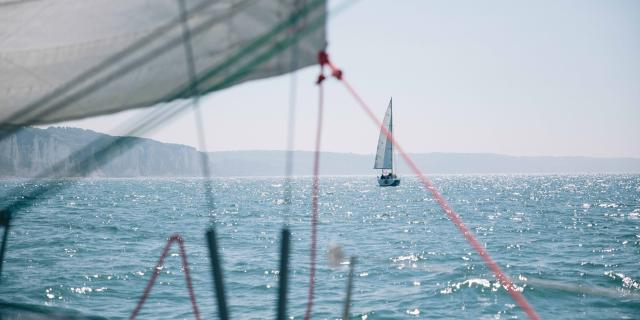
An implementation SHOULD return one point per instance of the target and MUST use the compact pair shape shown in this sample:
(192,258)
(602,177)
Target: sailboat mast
(393,158)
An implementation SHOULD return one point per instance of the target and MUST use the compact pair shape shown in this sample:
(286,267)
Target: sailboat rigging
(384,155)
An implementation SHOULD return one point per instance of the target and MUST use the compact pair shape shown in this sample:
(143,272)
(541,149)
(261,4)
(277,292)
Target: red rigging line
(156,272)
(323,59)
(314,190)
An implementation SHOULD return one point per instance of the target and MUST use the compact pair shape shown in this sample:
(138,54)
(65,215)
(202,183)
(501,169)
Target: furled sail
(62,60)
(384,154)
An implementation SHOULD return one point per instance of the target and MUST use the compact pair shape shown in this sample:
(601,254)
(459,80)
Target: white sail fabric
(384,154)
(58,58)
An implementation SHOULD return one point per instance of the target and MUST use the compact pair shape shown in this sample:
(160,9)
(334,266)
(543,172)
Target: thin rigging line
(156,271)
(191,69)
(315,186)
(291,120)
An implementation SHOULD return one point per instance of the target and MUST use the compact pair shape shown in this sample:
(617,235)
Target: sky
(523,78)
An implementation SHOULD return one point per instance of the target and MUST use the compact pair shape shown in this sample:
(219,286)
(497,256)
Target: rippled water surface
(570,243)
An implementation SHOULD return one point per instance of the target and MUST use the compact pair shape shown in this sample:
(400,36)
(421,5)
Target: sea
(570,243)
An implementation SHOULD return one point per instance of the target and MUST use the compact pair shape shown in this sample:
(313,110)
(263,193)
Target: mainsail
(384,155)
(62,60)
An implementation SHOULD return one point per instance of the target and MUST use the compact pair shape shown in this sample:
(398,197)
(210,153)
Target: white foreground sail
(384,154)
(63,60)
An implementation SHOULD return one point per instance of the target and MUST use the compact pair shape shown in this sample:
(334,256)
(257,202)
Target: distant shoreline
(32,150)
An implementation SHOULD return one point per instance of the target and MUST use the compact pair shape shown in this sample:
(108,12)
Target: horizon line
(419,153)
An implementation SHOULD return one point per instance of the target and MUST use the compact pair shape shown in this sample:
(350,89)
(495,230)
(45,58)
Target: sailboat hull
(388,182)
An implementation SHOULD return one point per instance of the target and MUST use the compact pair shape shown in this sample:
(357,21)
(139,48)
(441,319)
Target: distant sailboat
(384,155)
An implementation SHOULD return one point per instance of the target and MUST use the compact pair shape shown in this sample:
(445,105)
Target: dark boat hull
(388,182)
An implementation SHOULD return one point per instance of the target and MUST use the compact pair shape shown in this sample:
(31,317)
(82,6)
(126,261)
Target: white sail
(48,46)
(384,155)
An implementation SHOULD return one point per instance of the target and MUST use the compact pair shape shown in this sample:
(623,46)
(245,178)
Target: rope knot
(323,57)
(337,73)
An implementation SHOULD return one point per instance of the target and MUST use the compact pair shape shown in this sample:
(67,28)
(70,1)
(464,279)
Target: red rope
(156,272)
(315,188)
(453,216)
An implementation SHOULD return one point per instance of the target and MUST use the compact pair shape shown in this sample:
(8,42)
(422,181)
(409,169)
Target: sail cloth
(384,154)
(62,60)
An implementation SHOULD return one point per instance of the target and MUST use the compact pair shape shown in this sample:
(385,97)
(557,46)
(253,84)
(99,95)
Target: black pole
(5,219)
(216,269)
(3,248)
(284,274)
(347,300)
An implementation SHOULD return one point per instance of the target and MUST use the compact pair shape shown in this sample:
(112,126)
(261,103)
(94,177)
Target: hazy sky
(512,77)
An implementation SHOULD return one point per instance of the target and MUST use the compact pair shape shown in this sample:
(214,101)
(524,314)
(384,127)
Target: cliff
(33,151)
